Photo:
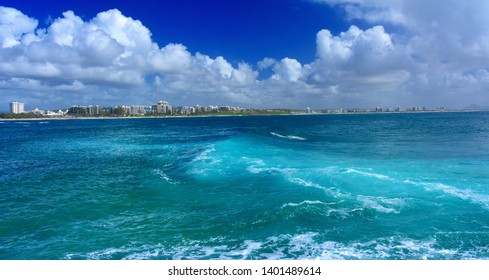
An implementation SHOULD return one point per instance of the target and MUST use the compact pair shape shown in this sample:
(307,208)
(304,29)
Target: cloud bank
(434,55)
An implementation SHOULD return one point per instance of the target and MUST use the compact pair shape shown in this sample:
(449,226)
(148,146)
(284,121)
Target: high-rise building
(162,107)
(16,107)
(137,110)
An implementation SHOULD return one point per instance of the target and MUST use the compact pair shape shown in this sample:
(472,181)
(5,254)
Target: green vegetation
(247,112)
(20,116)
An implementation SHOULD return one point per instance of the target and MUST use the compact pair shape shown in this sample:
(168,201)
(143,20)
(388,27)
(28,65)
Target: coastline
(231,115)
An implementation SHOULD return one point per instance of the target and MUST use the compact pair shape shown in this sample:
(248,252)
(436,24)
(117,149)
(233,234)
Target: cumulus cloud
(108,52)
(435,54)
(287,69)
(365,66)
(14,25)
(373,11)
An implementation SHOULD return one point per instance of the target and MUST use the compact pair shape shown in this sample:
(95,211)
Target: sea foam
(464,194)
(290,137)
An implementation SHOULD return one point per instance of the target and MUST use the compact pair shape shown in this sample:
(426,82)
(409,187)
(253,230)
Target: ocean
(355,186)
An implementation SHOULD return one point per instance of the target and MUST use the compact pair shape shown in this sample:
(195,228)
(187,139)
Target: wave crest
(290,137)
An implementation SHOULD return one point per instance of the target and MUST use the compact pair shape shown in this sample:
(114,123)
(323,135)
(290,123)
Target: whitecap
(163,176)
(464,194)
(382,204)
(290,175)
(327,207)
(290,137)
(106,253)
(303,246)
(331,191)
(145,255)
(256,165)
(306,246)
(306,202)
(248,247)
(205,156)
(369,174)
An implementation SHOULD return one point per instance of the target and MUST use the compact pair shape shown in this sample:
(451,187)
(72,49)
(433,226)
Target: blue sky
(261,54)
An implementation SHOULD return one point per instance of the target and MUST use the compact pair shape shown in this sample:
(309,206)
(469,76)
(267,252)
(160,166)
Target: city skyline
(278,54)
(164,108)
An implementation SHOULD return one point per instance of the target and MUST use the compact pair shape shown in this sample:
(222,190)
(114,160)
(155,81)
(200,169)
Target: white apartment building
(16,107)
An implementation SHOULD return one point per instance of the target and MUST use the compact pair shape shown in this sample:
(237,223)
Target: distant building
(94,110)
(137,110)
(38,111)
(76,110)
(162,107)
(16,107)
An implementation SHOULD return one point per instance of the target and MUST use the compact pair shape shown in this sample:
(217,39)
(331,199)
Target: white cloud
(363,57)
(439,47)
(287,69)
(111,51)
(373,11)
(266,63)
(65,29)
(130,33)
(171,58)
(13,26)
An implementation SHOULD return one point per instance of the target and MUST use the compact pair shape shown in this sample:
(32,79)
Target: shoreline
(230,115)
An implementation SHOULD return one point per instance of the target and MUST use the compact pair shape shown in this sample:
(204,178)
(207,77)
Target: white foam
(249,247)
(145,255)
(306,202)
(381,204)
(105,253)
(369,174)
(329,211)
(290,174)
(204,155)
(306,245)
(290,137)
(331,191)
(256,165)
(164,176)
(464,194)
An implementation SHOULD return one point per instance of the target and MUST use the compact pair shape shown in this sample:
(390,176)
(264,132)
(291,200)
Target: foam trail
(206,156)
(163,176)
(467,195)
(290,137)
(302,182)
(306,202)
(369,174)
(382,204)
(308,245)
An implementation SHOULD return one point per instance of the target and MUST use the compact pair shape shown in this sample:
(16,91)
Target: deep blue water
(369,186)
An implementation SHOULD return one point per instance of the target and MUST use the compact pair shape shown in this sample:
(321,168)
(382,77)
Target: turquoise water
(373,186)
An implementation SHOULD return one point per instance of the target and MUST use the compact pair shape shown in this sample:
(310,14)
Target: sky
(252,54)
